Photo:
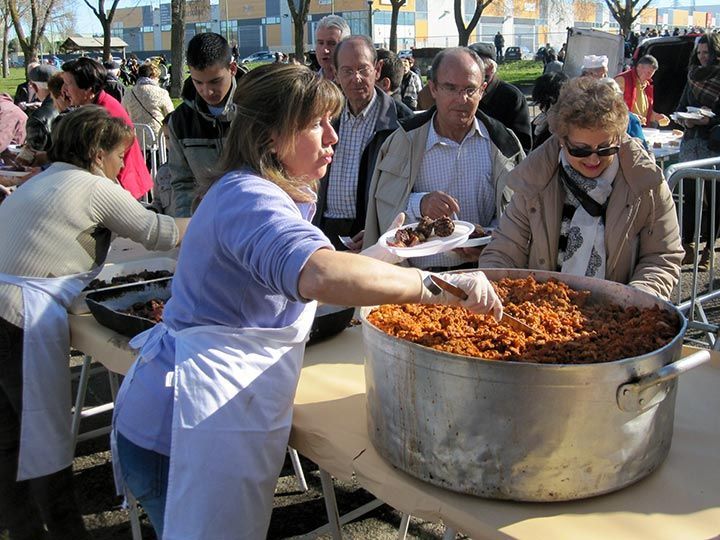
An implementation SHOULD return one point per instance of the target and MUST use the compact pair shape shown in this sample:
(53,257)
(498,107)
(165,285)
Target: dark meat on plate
(406,237)
(444,226)
(152,309)
(425,227)
(479,232)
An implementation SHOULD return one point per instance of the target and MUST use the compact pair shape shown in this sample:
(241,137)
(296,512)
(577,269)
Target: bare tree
(39,16)
(396,5)
(6,26)
(177,45)
(465,31)
(626,12)
(106,19)
(298,11)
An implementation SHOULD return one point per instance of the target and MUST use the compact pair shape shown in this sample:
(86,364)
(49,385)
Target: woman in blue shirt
(203,417)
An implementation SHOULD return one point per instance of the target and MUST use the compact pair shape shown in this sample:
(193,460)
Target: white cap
(592,61)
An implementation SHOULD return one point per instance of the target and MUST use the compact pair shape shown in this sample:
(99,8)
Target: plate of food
(427,237)
(480,236)
(702,111)
(689,115)
(13,170)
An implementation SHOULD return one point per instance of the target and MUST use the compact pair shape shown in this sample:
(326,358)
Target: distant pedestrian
(499,46)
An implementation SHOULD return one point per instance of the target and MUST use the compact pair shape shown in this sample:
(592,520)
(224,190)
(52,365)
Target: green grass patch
(9,84)
(522,72)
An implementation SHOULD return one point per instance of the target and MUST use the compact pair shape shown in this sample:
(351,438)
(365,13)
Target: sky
(87,23)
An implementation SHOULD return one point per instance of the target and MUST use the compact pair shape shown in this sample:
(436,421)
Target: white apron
(233,398)
(46,444)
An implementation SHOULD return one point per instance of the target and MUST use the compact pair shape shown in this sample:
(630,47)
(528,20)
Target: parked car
(513,53)
(260,56)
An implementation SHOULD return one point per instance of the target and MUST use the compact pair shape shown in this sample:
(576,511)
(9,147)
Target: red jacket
(134,175)
(630,78)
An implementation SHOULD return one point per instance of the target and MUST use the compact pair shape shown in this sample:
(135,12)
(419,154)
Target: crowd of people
(279,183)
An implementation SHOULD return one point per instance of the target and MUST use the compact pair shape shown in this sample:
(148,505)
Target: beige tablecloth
(679,501)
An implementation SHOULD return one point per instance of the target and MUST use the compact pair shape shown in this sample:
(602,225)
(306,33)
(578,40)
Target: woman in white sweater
(57,229)
(146,102)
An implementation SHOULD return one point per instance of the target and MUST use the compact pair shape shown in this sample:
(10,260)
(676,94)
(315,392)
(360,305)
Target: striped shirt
(354,134)
(463,171)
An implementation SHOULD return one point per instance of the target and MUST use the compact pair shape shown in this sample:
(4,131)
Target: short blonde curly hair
(588,103)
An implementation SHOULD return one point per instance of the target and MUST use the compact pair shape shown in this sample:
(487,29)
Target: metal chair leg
(297,466)
(404,524)
(330,504)
(80,398)
(134,516)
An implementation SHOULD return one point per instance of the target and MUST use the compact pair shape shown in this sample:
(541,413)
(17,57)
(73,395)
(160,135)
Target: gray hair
(439,57)
(359,37)
(612,83)
(648,59)
(335,21)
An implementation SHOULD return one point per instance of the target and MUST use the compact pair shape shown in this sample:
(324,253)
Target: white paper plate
(432,246)
(482,241)
(5,172)
(698,110)
(689,115)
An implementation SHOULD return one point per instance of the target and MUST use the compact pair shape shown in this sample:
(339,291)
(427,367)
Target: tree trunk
(177,44)
(464,32)
(299,41)
(463,37)
(5,52)
(107,36)
(393,27)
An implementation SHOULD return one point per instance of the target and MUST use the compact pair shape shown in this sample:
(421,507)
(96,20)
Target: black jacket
(390,112)
(114,87)
(39,125)
(196,141)
(506,103)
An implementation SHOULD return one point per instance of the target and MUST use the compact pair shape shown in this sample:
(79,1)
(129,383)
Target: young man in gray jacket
(197,128)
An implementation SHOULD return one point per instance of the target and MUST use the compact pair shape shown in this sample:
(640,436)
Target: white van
(582,42)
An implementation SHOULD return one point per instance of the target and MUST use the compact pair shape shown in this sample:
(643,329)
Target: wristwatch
(430,285)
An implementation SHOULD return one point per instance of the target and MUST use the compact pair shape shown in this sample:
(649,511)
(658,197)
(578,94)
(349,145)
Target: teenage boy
(197,128)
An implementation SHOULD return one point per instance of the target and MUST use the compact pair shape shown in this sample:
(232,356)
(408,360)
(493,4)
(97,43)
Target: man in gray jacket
(449,161)
(197,128)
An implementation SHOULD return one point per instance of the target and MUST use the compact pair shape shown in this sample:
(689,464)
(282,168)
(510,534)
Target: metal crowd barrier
(153,147)
(694,303)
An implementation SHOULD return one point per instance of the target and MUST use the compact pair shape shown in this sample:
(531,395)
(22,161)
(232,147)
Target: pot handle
(651,389)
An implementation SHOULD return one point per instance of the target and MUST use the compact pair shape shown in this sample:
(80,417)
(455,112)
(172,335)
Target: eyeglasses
(586,152)
(364,72)
(451,89)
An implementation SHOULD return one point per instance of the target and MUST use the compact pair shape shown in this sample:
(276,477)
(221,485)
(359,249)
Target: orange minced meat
(569,327)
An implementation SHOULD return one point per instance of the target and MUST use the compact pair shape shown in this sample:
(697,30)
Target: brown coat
(641,228)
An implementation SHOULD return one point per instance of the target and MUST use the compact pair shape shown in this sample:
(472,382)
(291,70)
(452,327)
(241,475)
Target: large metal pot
(523,431)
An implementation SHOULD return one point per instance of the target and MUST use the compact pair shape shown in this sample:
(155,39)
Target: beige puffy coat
(641,227)
(148,104)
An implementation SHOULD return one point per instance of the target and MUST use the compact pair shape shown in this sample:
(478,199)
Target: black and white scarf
(582,230)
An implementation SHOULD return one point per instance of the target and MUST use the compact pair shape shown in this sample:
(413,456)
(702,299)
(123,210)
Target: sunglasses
(585,152)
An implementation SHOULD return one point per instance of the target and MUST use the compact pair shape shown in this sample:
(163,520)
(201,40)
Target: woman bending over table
(203,417)
(590,201)
(56,233)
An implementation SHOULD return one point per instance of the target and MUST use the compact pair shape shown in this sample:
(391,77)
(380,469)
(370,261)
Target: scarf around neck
(705,84)
(582,235)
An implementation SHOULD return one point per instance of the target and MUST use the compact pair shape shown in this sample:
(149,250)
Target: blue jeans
(145,474)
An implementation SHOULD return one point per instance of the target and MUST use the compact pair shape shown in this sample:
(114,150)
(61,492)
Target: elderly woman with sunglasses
(590,201)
